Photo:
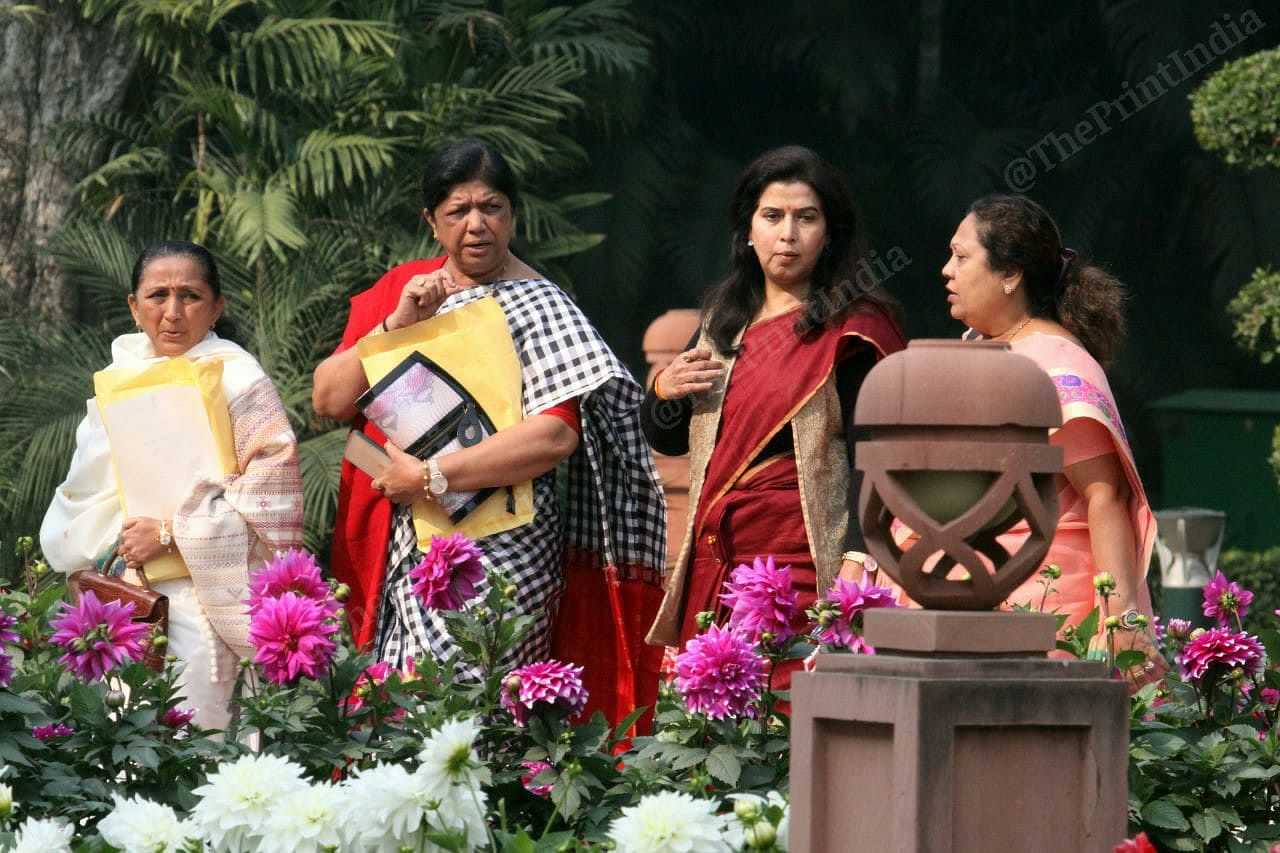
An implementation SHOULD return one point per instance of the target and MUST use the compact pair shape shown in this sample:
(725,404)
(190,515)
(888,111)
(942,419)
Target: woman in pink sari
(1010,279)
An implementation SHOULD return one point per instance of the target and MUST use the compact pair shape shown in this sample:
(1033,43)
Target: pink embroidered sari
(1083,392)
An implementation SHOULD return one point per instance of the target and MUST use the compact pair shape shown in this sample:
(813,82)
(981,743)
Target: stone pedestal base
(954,751)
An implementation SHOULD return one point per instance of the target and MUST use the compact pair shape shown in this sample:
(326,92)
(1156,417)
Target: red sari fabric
(363,524)
(752,508)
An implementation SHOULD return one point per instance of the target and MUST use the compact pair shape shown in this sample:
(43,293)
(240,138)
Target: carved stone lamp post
(959,734)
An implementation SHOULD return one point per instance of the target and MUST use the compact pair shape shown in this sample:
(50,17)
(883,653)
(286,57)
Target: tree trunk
(53,66)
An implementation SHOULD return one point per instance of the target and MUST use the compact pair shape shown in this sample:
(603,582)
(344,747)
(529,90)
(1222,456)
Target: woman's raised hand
(421,298)
(688,373)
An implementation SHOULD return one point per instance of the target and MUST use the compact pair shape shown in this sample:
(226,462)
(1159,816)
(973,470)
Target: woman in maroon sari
(762,399)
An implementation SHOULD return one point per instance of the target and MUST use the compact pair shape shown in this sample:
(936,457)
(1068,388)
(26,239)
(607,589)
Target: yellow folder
(167,422)
(473,344)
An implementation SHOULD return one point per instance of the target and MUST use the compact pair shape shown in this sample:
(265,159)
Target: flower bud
(1052,571)
(39,568)
(509,591)
(704,619)
(511,684)
(6,801)
(342,593)
(1111,622)
(24,545)
(746,809)
(1197,634)
(767,637)
(114,699)
(159,641)
(1104,583)
(1141,620)
(760,835)
(246,663)
(1178,629)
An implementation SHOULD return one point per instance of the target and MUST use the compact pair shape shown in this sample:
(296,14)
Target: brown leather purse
(149,606)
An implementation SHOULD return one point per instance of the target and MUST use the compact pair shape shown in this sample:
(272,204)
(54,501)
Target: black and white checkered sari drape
(614,506)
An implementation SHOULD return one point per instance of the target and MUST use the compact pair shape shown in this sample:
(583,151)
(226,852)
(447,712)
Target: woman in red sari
(762,399)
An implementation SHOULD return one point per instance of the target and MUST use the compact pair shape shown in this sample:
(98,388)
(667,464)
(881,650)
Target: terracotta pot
(958,453)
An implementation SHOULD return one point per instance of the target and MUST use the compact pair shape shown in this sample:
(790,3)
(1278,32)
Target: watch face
(165,538)
(438,485)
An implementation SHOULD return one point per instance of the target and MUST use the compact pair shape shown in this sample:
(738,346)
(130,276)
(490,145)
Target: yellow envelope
(473,344)
(166,422)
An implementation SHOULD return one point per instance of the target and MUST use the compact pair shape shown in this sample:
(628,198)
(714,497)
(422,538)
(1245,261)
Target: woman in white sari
(223,527)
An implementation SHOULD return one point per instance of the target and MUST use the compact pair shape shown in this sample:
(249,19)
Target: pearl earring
(1008,289)
(751,242)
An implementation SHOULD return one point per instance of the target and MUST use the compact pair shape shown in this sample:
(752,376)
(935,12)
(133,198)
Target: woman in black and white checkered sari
(580,404)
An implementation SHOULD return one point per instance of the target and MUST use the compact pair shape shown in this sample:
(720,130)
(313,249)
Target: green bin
(1216,446)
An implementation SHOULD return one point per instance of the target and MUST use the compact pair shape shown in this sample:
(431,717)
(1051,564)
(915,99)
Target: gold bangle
(656,392)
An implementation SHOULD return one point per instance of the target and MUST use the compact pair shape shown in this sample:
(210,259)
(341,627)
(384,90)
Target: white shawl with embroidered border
(224,527)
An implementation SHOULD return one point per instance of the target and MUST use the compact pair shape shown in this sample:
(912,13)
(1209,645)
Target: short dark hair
(731,303)
(1020,236)
(181,249)
(462,160)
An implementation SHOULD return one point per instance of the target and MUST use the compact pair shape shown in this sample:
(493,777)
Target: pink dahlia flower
(374,676)
(50,731)
(177,718)
(98,636)
(8,636)
(1220,647)
(1270,696)
(6,668)
(546,685)
(762,599)
(447,576)
(719,674)
(292,635)
(293,571)
(526,779)
(852,598)
(1223,599)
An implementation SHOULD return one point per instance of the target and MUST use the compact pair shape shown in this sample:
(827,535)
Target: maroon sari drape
(751,507)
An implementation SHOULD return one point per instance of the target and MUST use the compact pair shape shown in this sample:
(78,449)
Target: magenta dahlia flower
(51,731)
(1223,599)
(852,597)
(6,668)
(548,685)
(526,779)
(177,718)
(293,571)
(719,674)
(292,635)
(97,635)
(762,599)
(8,636)
(1220,647)
(447,576)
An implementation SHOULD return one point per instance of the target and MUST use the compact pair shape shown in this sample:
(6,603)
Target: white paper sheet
(160,441)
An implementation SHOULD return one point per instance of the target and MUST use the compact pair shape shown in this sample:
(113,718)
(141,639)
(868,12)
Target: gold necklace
(1014,333)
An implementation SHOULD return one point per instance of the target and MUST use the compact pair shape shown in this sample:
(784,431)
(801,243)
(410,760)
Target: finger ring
(687,358)
(1149,665)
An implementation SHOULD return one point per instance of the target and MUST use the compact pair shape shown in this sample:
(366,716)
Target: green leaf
(1130,658)
(1163,814)
(724,765)
(1206,826)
